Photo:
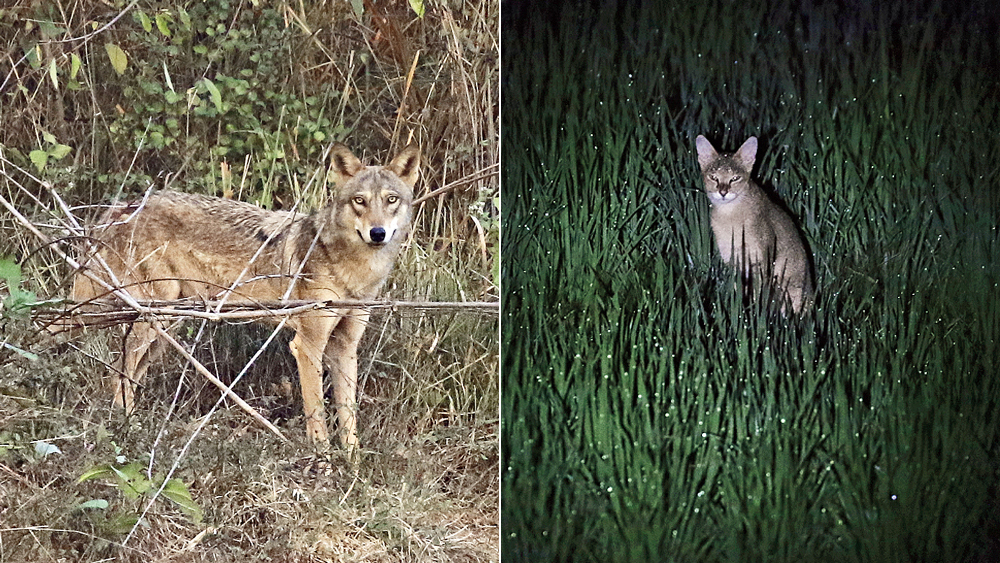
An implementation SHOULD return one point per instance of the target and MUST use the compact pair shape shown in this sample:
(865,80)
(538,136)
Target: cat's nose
(723,189)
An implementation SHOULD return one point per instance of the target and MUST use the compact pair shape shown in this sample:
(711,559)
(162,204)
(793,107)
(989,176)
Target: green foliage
(119,61)
(241,111)
(418,7)
(55,151)
(18,302)
(132,482)
(649,413)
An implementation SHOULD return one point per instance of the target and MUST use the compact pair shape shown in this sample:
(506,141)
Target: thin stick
(96,310)
(481,175)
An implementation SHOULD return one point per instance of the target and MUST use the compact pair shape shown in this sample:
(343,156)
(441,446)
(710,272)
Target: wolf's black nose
(377,234)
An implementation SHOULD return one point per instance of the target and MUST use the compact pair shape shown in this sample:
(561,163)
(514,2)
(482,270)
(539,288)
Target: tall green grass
(649,413)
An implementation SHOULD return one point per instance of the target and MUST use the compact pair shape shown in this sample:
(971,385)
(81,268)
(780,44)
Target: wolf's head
(374,202)
(726,175)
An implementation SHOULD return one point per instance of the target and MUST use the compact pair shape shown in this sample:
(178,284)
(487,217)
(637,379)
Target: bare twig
(490,170)
(112,310)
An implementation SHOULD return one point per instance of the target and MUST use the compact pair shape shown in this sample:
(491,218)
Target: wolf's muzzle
(377,235)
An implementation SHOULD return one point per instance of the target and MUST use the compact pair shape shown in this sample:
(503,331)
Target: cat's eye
(734,180)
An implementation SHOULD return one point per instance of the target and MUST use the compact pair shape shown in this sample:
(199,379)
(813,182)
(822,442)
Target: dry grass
(426,485)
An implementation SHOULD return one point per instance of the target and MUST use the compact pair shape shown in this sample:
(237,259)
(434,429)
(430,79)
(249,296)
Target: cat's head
(726,175)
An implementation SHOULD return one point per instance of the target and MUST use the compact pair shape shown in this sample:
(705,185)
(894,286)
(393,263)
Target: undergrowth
(649,413)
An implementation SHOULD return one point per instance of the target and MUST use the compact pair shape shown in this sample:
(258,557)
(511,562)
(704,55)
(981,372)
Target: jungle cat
(753,233)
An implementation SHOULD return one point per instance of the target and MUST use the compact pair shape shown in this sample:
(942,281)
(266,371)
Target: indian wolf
(173,245)
(751,231)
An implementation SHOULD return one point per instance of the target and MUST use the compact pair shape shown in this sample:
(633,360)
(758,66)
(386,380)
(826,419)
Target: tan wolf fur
(751,231)
(174,245)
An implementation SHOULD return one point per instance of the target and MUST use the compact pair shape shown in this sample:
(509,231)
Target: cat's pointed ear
(706,152)
(748,153)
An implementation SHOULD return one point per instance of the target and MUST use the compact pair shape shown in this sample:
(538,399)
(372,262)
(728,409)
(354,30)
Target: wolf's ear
(706,152)
(406,165)
(343,163)
(747,153)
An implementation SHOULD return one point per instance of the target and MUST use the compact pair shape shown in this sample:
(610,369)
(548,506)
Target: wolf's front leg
(342,359)
(311,337)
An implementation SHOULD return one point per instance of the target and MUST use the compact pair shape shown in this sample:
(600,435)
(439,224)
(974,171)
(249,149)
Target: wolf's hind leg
(142,347)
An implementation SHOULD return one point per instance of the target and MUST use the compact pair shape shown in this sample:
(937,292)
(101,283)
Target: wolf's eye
(359,200)
(392,199)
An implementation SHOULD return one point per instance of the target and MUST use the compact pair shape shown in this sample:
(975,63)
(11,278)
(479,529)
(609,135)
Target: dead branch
(105,312)
(491,170)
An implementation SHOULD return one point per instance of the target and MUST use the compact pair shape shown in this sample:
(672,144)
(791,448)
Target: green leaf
(162,23)
(95,473)
(144,20)
(39,158)
(10,271)
(166,76)
(130,484)
(359,8)
(214,92)
(131,472)
(28,355)
(97,503)
(18,304)
(50,30)
(60,151)
(54,74)
(177,491)
(34,56)
(418,7)
(119,61)
(185,19)
(74,65)
(49,137)
(131,480)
